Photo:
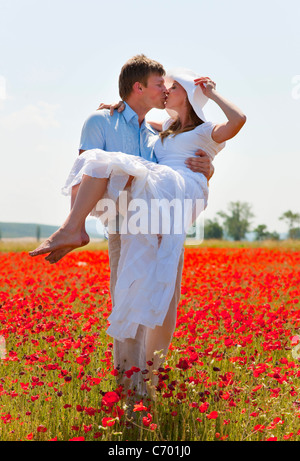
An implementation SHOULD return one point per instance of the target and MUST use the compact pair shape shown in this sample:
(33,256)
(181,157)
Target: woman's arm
(119,106)
(236,118)
(156,125)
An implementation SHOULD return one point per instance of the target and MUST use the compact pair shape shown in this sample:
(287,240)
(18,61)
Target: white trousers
(138,351)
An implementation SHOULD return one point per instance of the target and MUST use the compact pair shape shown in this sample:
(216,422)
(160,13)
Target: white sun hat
(186,77)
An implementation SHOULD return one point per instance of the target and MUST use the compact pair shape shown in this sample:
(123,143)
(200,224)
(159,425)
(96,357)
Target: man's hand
(201,164)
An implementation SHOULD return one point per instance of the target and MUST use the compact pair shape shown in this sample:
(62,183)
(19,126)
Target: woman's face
(177,96)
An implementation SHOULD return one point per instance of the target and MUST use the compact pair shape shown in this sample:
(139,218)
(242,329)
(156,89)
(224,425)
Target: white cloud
(3,94)
(296,87)
(41,115)
(2,88)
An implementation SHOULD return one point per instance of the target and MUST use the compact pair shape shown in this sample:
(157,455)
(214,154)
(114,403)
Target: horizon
(92,225)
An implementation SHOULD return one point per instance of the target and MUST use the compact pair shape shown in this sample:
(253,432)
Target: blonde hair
(176,126)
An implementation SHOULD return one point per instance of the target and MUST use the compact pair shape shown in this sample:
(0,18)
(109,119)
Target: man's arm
(201,164)
(93,133)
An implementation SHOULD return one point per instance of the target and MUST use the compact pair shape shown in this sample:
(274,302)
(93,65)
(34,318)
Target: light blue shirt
(119,133)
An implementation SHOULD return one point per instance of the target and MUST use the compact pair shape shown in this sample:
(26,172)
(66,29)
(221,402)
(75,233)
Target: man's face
(155,93)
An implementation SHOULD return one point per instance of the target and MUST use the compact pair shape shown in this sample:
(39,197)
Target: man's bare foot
(56,255)
(63,238)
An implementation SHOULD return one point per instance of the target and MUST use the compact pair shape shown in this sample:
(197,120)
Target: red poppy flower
(42,428)
(110,398)
(212,415)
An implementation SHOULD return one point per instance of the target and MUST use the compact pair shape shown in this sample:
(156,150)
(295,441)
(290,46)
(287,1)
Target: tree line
(236,223)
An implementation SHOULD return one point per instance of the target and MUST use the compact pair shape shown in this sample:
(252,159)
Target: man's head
(143,79)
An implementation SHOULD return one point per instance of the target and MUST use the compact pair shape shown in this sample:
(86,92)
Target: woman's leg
(55,255)
(69,235)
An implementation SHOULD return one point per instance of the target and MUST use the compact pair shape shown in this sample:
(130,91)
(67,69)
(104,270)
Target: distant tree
(237,223)
(293,222)
(274,236)
(213,230)
(294,233)
(261,233)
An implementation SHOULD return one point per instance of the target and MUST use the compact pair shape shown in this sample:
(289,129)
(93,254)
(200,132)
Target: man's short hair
(137,69)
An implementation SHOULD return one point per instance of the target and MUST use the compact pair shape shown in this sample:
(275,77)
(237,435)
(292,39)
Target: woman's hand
(206,85)
(119,106)
(236,118)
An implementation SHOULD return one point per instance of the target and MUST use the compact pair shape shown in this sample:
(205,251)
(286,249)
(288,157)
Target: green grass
(293,245)
(16,245)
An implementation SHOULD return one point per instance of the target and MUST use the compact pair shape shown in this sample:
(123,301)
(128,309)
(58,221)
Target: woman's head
(186,79)
(178,102)
(177,97)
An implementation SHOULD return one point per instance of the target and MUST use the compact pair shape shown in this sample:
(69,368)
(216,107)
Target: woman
(148,268)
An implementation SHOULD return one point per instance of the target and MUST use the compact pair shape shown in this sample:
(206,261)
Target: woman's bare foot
(56,255)
(63,238)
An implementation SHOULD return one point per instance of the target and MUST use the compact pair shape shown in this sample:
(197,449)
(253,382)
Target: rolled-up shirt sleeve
(93,133)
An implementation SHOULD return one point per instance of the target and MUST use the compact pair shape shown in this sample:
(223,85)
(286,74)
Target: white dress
(147,271)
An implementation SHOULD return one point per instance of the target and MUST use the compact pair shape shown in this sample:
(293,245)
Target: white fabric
(186,77)
(138,351)
(147,272)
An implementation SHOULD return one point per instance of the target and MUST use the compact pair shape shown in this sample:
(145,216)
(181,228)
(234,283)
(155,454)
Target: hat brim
(186,77)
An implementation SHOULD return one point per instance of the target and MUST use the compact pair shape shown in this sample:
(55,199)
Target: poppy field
(232,372)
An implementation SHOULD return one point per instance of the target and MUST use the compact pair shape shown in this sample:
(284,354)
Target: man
(141,87)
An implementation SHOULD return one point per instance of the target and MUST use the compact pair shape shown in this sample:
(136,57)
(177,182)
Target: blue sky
(60,59)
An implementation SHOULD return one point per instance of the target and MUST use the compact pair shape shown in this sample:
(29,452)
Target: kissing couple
(120,152)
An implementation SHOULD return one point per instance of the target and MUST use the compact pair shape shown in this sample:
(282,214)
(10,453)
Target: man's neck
(138,108)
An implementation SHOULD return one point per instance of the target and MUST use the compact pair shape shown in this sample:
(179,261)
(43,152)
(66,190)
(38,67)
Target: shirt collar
(129,114)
